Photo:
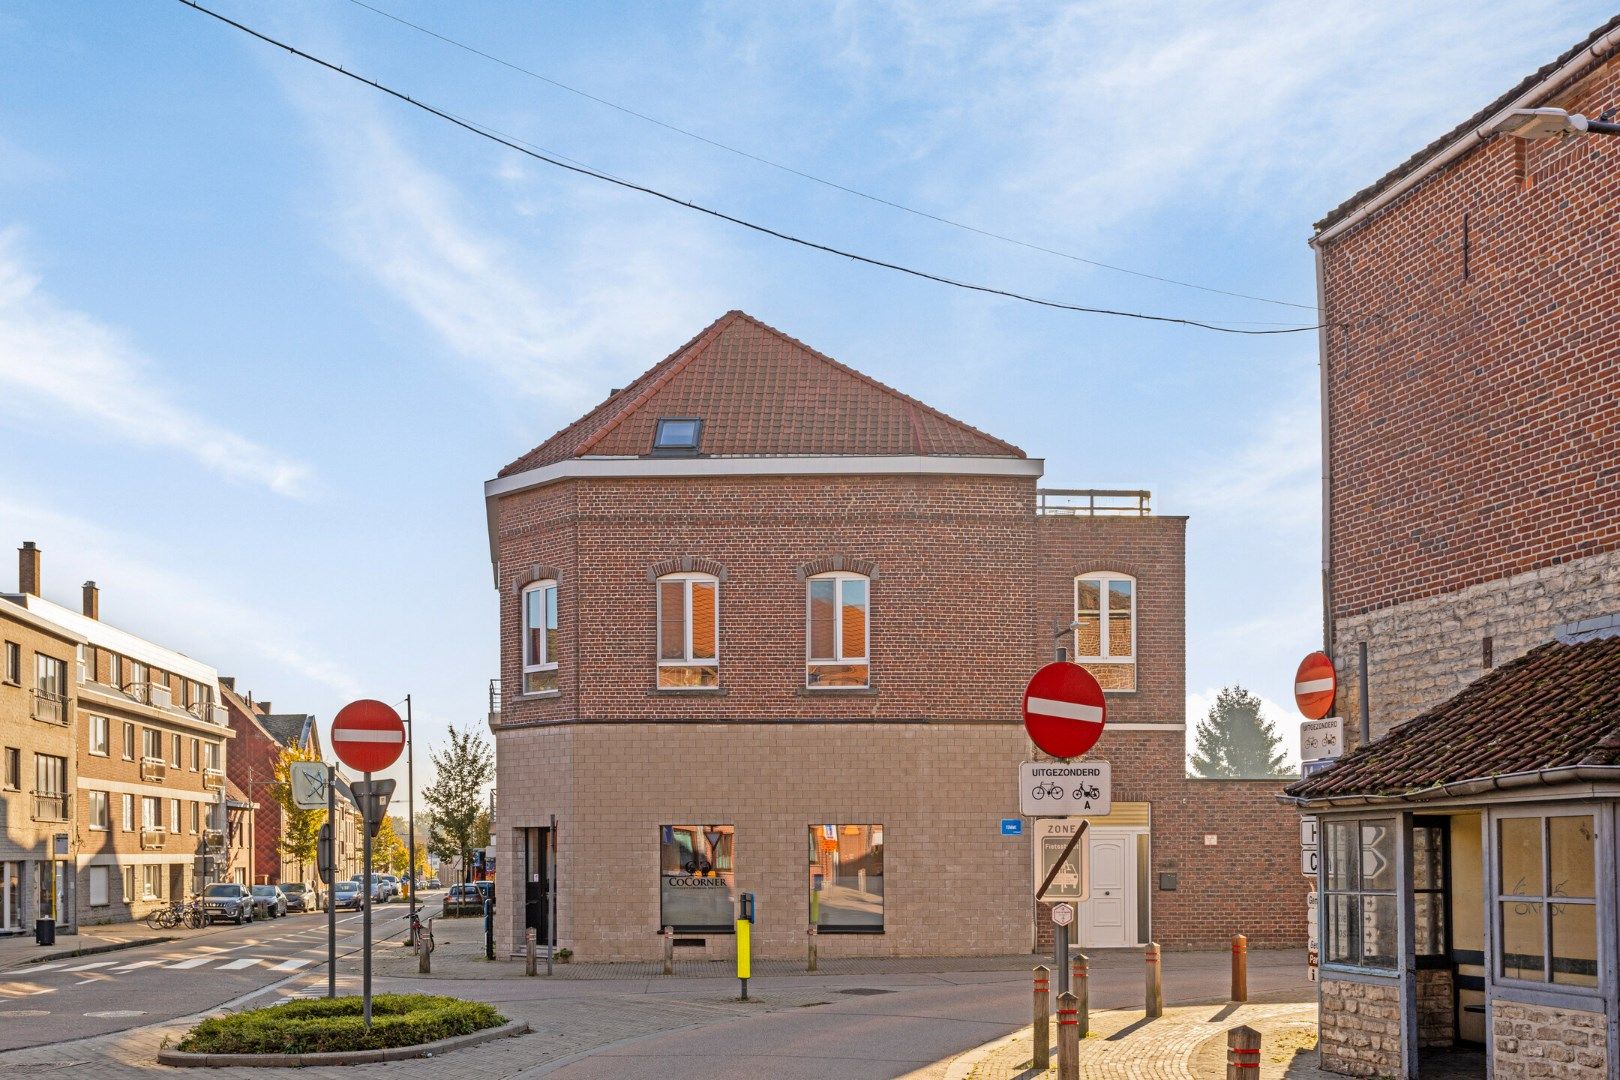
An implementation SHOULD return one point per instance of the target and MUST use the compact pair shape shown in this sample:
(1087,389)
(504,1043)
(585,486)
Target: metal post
(1242,1053)
(365,911)
(551,894)
(1155,993)
(424,951)
(410,798)
(1240,968)
(529,964)
(331,910)
(669,950)
(1081,986)
(1366,722)
(813,960)
(1043,1019)
(1068,1039)
(1060,956)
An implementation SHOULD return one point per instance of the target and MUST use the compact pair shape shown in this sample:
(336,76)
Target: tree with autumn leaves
(300,828)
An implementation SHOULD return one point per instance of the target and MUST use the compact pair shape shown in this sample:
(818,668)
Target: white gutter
(1322,345)
(1546,87)
(1568,774)
(618,468)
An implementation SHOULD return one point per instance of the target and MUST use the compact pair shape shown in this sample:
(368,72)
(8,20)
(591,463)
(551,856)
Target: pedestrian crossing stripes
(212,961)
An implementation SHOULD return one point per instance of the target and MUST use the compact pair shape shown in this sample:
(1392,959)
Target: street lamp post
(1550,123)
(410,800)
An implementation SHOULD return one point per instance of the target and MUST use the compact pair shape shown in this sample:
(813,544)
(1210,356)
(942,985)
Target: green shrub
(323,1025)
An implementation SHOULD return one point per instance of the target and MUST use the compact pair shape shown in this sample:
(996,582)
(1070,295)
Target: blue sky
(263,333)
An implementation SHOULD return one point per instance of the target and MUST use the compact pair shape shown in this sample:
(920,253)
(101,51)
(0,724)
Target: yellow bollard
(745,927)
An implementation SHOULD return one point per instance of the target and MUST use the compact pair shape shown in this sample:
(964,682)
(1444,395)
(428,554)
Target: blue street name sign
(1012,826)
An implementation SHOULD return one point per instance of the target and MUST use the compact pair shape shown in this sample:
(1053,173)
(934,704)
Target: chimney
(265,705)
(92,601)
(228,682)
(28,568)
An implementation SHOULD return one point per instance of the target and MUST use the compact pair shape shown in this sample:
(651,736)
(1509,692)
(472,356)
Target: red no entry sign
(367,735)
(1064,711)
(1314,685)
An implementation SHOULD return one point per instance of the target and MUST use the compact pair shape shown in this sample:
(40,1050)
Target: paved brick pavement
(1186,1043)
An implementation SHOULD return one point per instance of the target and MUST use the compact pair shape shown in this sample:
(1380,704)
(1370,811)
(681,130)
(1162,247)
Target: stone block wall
(1555,1044)
(1437,1013)
(1423,652)
(1361,1028)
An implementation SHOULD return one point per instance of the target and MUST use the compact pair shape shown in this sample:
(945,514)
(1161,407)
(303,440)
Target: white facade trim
(105,636)
(121,787)
(146,858)
(1143,727)
(644,468)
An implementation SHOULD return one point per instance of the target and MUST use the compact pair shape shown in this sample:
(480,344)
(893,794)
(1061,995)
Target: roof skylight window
(677,435)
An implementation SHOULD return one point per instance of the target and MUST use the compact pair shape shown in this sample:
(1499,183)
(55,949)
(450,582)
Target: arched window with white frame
(838,631)
(688,632)
(541,640)
(1105,628)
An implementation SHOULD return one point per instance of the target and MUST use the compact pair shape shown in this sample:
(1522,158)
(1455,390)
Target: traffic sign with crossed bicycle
(1059,789)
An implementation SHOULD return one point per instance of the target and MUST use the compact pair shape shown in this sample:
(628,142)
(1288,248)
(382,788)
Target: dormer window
(677,435)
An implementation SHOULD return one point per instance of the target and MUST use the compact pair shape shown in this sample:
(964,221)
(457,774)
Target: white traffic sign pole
(365,921)
(331,880)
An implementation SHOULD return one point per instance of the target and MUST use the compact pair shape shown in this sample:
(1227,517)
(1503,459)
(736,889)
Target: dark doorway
(537,882)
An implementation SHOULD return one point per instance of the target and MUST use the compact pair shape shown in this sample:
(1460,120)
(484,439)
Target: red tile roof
(1556,706)
(761,392)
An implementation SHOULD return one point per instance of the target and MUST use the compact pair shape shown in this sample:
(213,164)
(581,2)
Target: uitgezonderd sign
(1061,789)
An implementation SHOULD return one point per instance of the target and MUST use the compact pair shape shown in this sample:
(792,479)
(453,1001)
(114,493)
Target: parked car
(300,897)
(464,899)
(434,883)
(486,889)
(347,895)
(382,890)
(229,901)
(271,900)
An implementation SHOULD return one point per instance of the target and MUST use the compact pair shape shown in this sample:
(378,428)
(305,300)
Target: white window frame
(100,736)
(98,822)
(1102,578)
(131,743)
(152,881)
(687,659)
(129,884)
(211,756)
(151,813)
(838,577)
(128,808)
(174,817)
(548,663)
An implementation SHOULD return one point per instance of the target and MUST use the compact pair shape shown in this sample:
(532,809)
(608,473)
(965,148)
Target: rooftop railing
(494,700)
(1094,502)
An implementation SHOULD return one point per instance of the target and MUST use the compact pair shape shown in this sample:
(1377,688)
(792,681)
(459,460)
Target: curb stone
(344,1057)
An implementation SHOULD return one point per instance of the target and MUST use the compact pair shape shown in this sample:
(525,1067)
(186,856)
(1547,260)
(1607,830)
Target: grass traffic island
(332,1031)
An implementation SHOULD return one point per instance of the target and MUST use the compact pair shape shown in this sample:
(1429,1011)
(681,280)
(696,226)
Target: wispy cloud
(171,605)
(61,361)
(551,296)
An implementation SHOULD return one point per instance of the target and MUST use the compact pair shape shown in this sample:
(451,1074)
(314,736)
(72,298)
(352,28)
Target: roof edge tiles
(589,436)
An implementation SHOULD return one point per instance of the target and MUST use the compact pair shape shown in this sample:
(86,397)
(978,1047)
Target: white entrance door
(1108,919)
(10,895)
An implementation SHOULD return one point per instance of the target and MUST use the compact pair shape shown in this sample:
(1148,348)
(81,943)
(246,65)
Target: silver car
(270,900)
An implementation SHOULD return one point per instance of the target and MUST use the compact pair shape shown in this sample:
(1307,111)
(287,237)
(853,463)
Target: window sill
(694,691)
(540,695)
(837,691)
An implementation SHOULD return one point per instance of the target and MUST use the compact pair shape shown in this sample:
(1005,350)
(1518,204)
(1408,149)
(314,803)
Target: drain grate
(864,991)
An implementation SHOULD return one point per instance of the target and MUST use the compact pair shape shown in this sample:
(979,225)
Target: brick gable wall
(251,766)
(1503,462)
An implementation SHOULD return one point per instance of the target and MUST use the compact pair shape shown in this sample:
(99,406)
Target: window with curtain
(688,632)
(1546,899)
(838,631)
(1359,886)
(1105,635)
(540,638)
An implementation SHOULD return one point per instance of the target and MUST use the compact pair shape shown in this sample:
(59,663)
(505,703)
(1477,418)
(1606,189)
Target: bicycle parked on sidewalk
(190,915)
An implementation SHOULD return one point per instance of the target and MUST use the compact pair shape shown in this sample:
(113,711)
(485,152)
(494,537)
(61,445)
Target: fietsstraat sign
(1062,788)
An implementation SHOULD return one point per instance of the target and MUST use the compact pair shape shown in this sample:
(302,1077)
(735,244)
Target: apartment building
(765,626)
(148,790)
(241,834)
(38,710)
(1471,406)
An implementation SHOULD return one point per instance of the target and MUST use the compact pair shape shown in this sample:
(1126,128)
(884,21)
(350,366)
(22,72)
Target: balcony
(153,839)
(154,770)
(494,702)
(209,712)
(214,840)
(50,806)
(1094,502)
(49,707)
(213,780)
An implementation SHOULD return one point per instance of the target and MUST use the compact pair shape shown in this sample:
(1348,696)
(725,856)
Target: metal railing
(494,700)
(152,839)
(50,806)
(214,840)
(154,769)
(210,712)
(1094,502)
(49,707)
(213,780)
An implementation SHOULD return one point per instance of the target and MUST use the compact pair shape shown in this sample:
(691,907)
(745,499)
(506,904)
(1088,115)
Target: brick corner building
(765,627)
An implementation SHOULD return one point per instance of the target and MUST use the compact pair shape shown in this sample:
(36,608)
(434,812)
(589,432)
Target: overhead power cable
(812,177)
(483,132)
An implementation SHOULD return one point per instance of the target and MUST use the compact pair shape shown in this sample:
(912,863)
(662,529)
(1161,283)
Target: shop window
(540,638)
(1359,879)
(1546,902)
(1105,630)
(846,879)
(688,632)
(838,631)
(696,879)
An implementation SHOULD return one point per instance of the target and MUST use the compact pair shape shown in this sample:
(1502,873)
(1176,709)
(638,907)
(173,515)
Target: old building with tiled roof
(1471,426)
(765,627)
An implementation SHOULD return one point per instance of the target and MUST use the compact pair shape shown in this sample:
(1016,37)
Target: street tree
(300,828)
(456,798)
(1235,742)
(387,849)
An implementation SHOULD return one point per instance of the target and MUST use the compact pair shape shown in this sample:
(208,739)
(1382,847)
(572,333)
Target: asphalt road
(106,992)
